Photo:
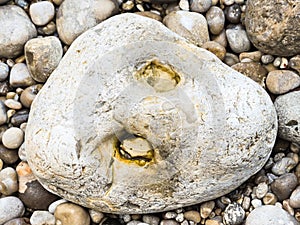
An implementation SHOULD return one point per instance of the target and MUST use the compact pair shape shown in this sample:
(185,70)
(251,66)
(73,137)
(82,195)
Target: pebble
(200,6)
(190,25)
(253,70)
(294,63)
(256,203)
(284,165)
(261,190)
(273,26)
(270,199)
(96,216)
(10,207)
(168,222)
(254,56)
(74,17)
(4,70)
(215,19)
(70,214)
(3,1)
(13,104)
(233,13)
(246,203)
(151,220)
(42,56)
(231,59)
(8,181)
(20,76)
(20,117)
(295,198)
(212,222)
(18,24)
(270,215)
(206,209)
(42,218)
(215,48)
(54,204)
(234,214)
(220,38)
(283,186)
(184,5)
(180,217)
(49,29)
(8,156)
(12,138)
(226,2)
(150,15)
(287,207)
(238,39)
(29,94)
(282,81)
(3,115)
(192,215)
(266,59)
(169,215)
(42,12)
(18,221)
(288,111)
(22,152)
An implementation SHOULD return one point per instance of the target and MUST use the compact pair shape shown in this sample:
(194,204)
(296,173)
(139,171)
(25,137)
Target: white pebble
(53,205)
(256,203)
(41,12)
(12,138)
(13,104)
(10,208)
(4,69)
(42,218)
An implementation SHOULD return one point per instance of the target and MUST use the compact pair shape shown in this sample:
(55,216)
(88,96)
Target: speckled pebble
(4,70)
(70,214)
(282,81)
(200,6)
(266,59)
(215,19)
(42,218)
(10,207)
(12,138)
(206,208)
(41,12)
(283,166)
(190,25)
(234,214)
(254,56)
(238,39)
(294,63)
(20,76)
(233,13)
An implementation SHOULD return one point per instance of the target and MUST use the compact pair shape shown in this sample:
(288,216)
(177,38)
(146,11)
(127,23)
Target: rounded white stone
(41,12)
(12,138)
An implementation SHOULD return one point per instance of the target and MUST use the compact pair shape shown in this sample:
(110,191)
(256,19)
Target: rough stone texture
(270,215)
(282,81)
(82,143)
(288,111)
(74,17)
(190,25)
(10,208)
(273,26)
(42,56)
(16,29)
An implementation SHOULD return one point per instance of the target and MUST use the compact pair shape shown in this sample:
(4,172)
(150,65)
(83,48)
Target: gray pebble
(266,59)
(20,117)
(12,138)
(270,215)
(8,156)
(200,6)
(3,1)
(150,219)
(227,2)
(42,218)
(233,13)
(41,13)
(169,215)
(18,221)
(20,76)
(256,203)
(238,39)
(234,214)
(295,198)
(22,153)
(283,186)
(42,56)
(3,115)
(16,30)
(8,181)
(231,59)
(294,63)
(190,25)
(283,166)
(4,70)
(220,38)
(10,207)
(215,20)
(261,190)
(288,111)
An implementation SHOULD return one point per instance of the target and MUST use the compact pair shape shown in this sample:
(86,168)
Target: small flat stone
(215,20)
(16,30)
(20,76)
(29,94)
(42,218)
(20,117)
(10,207)
(190,25)
(151,219)
(12,138)
(4,70)
(13,104)
(238,39)
(42,56)
(282,81)
(41,13)
(254,56)
(70,214)
(270,215)
(294,63)
(283,186)
(288,111)
(261,190)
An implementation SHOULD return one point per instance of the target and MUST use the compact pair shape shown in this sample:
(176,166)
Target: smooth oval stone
(145,122)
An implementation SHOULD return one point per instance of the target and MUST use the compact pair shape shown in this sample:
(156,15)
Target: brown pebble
(215,48)
(29,94)
(70,214)
(254,56)
(8,156)
(282,81)
(269,199)
(192,215)
(283,186)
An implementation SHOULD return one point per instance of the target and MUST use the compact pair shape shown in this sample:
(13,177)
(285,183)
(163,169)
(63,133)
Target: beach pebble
(70,214)
(200,6)
(282,81)
(7,155)
(54,204)
(233,13)
(234,214)
(42,218)
(215,48)
(8,181)
(284,165)
(294,63)
(253,70)
(42,56)
(3,115)
(261,190)
(19,221)
(12,138)
(190,25)
(96,216)
(20,76)
(220,38)
(192,215)
(29,94)
(206,208)
(270,199)
(16,30)
(3,1)
(254,56)
(212,222)
(42,12)
(231,59)
(266,59)
(19,117)
(10,207)
(215,20)
(283,186)
(13,104)
(273,26)
(238,39)
(288,111)
(151,219)
(150,15)
(74,17)
(295,198)
(4,70)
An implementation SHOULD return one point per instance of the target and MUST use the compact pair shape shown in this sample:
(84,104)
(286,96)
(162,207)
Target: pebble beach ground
(34,36)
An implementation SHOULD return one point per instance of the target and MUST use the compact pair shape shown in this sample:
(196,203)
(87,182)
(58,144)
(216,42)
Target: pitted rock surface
(144,121)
